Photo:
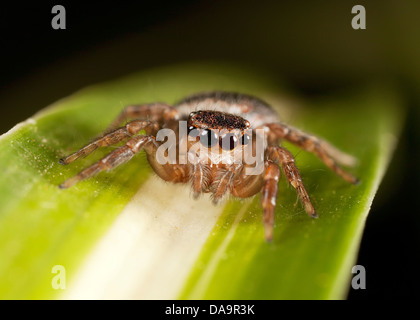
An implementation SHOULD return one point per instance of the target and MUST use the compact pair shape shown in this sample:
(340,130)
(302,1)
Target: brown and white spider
(223,125)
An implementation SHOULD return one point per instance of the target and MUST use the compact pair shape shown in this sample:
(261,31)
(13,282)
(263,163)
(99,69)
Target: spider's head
(216,137)
(215,128)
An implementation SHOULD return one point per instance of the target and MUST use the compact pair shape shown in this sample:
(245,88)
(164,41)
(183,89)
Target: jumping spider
(224,123)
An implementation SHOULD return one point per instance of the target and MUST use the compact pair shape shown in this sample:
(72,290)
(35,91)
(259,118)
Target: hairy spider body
(221,128)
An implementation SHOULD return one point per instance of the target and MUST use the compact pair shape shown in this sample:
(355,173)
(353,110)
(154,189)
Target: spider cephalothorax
(214,128)
(223,132)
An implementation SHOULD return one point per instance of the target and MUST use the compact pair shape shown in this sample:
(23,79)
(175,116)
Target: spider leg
(112,160)
(111,138)
(199,178)
(172,172)
(269,196)
(159,112)
(287,162)
(222,184)
(244,186)
(330,155)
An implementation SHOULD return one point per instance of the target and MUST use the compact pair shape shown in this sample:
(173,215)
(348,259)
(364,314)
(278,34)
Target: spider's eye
(228,141)
(245,139)
(208,138)
(193,132)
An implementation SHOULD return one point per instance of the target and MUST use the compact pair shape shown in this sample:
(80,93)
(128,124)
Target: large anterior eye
(208,138)
(245,139)
(228,141)
(193,132)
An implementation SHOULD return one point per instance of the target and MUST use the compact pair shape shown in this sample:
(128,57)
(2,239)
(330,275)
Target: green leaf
(173,246)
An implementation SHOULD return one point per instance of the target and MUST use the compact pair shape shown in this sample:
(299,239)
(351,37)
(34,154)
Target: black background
(310,44)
